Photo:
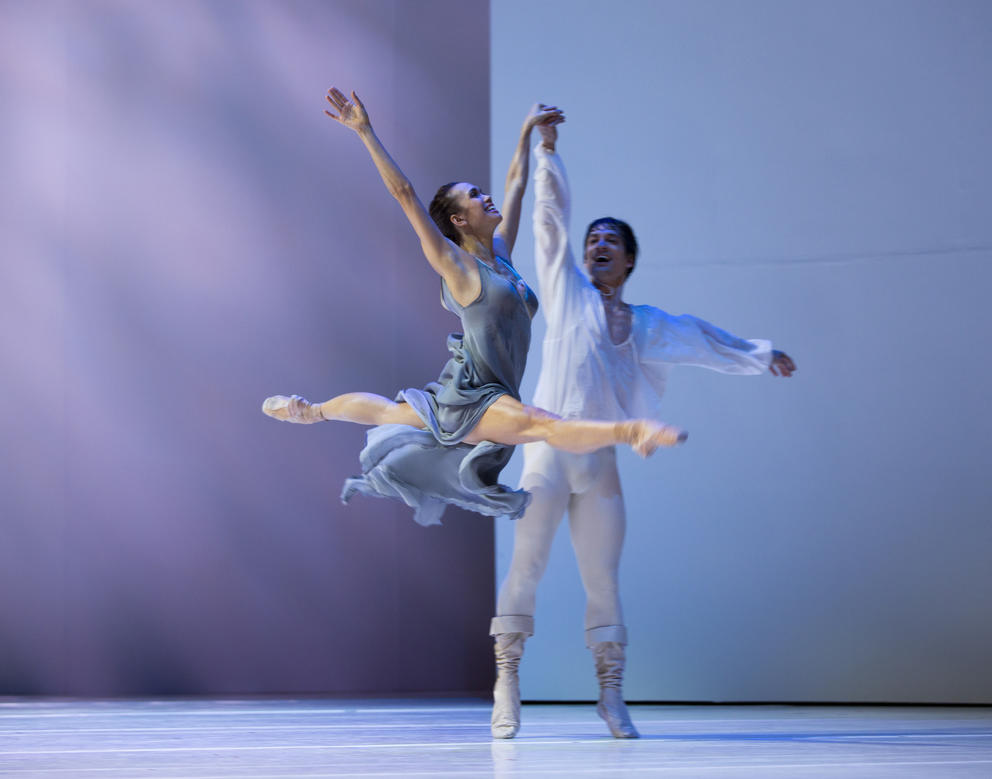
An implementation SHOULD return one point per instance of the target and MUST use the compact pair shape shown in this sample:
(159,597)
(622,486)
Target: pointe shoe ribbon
(292,409)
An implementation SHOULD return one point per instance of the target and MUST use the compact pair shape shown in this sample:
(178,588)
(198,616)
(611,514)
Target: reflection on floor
(197,739)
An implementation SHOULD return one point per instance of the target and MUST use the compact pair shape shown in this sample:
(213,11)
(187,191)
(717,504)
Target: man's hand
(546,119)
(782,364)
(549,136)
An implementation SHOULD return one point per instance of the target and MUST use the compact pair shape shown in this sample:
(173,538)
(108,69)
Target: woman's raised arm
(516,175)
(451,262)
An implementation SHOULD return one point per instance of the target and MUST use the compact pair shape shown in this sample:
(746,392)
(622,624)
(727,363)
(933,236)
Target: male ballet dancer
(602,359)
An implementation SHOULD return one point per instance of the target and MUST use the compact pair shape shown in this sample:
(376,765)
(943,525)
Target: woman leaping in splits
(447,443)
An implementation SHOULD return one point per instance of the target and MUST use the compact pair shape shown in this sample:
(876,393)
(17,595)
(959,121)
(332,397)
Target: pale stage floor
(196,739)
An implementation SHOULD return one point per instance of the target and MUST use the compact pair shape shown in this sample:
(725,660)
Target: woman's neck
(481,249)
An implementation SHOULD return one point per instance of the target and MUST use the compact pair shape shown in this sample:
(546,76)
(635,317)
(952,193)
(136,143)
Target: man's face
(605,256)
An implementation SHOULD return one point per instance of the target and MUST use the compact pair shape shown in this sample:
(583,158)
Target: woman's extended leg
(363,408)
(508,421)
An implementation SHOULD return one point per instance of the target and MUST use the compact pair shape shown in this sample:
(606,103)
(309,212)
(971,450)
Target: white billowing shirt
(583,373)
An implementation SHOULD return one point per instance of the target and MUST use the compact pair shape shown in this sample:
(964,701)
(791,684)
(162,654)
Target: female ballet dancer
(607,359)
(446,444)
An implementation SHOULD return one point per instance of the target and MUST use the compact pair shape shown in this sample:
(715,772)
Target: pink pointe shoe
(292,409)
(649,435)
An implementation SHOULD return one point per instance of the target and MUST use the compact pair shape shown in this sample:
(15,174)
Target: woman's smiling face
(475,208)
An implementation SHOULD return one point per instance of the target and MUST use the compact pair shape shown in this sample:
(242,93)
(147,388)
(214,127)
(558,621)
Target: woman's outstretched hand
(545,114)
(350,113)
(541,115)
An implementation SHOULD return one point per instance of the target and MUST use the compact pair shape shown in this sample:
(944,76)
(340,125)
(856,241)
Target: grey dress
(430,467)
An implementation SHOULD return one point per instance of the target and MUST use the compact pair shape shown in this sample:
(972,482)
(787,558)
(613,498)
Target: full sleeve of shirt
(688,340)
(566,385)
(560,282)
(661,340)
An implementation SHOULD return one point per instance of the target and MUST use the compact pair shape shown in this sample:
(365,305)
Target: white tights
(588,487)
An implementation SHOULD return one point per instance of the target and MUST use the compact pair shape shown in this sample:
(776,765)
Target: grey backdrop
(816,173)
(183,234)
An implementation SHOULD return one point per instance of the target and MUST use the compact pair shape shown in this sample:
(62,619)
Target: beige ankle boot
(510,634)
(607,645)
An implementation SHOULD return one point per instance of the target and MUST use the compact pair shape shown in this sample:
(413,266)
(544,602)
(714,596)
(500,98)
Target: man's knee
(527,566)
